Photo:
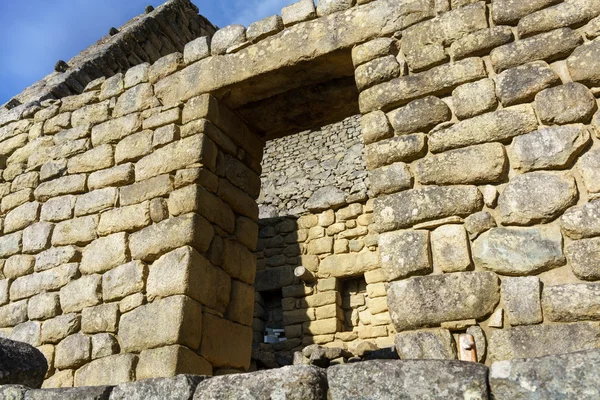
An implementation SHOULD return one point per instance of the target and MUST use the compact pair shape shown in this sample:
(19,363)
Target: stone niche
(131,245)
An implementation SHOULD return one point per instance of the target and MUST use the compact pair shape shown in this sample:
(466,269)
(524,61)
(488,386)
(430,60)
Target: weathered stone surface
(397,211)
(410,379)
(217,336)
(571,302)
(326,7)
(114,130)
(583,64)
(398,149)
(124,280)
(475,98)
(101,318)
(429,301)
(519,251)
(572,13)
(584,258)
(405,253)
(582,221)
(550,377)
(173,320)
(227,37)
(116,176)
(36,237)
(371,50)
(549,148)
(58,328)
(21,217)
(28,332)
(70,393)
(478,223)
(43,306)
(438,80)
(542,340)
(188,229)
(548,46)
(496,126)
(56,256)
(171,361)
(589,167)
(479,164)
(419,116)
(274,278)
(73,351)
(111,370)
(195,198)
(298,382)
(58,209)
(521,84)
(390,179)
(345,265)
(137,98)
(10,244)
(128,219)
(537,197)
(77,231)
(510,11)
(96,201)
(375,127)
(376,71)
(53,279)
(13,313)
(136,75)
(522,300)
(480,42)
(18,265)
(104,253)
(81,293)
(326,198)
(450,248)
(133,147)
(437,344)
(21,364)
(565,104)
(179,387)
(185,272)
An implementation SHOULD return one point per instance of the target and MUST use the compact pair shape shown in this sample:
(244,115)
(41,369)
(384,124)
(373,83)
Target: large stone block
(96,201)
(583,64)
(521,84)
(450,248)
(480,42)
(52,279)
(13,314)
(548,46)
(405,209)
(36,237)
(124,280)
(274,278)
(159,186)
(498,126)
(419,116)
(179,387)
(185,272)
(565,104)
(573,13)
(188,229)
(347,265)
(551,377)
(170,361)
(125,219)
(472,99)
(73,352)
(81,293)
(104,253)
(571,302)
(390,179)
(101,318)
(510,11)
(240,263)
(177,155)
(537,197)
(549,148)
(376,71)
(429,301)
(18,265)
(111,370)
(11,244)
(195,198)
(405,253)
(519,251)
(21,364)
(43,306)
(173,320)
(71,184)
(588,165)
(584,258)
(410,379)
(521,298)
(56,256)
(542,340)
(582,221)
(76,231)
(225,343)
(58,209)
(398,149)
(21,217)
(100,157)
(56,329)
(484,163)
(115,176)
(298,382)
(437,344)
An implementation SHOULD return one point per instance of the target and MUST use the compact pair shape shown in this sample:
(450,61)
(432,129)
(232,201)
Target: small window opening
(354,294)
(273,317)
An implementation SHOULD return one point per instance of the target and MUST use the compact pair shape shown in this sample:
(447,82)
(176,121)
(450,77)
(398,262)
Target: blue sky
(37,33)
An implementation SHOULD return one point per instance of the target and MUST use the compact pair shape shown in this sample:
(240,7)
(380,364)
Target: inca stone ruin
(360,199)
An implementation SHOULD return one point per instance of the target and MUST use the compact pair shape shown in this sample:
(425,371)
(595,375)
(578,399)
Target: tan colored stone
(52,279)
(450,248)
(58,209)
(134,147)
(111,370)
(135,99)
(124,280)
(343,265)
(36,237)
(21,217)
(100,157)
(71,184)
(96,201)
(241,306)
(158,186)
(73,351)
(43,306)
(170,361)
(195,198)
(77,231)
(217,336)
(125,219)
(101,318)
(18,265)
(81,293)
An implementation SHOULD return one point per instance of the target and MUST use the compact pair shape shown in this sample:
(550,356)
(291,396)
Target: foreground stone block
(565,104)
(171,361)
(405,209)
(510,11)
(70,393)
(111,370)
(405,253)
(344,265)
(397,149)
(583,64)
(436,344)
(104,254)
(521,298)
(173,320)
(519,251)
(179,387)
(225,343)
(542,340)
(298,382)
(537,197)
(552,377)
(582,221)
(522,83)
(21,364)
(429,301)
(584,258)
(571,302)
(411,379)
(450,248)
(419,116)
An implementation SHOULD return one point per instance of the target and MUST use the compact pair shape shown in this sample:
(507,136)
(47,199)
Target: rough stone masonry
(130,225)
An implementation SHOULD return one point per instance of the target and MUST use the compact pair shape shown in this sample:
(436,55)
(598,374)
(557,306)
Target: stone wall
(127,232)
(296,166)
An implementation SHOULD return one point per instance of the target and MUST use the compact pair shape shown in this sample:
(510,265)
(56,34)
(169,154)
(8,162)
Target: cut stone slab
(582,221)
(227,37)
(21,364)
(111,370)
(571,302)
(552,377)
(481,42)
(583,64)
(68,393)
(475,98)
(405,209)
(450,248)
(408,379)
(428,301)
(405,253)
(549,148)
(521,84)
(178,387)
(171,361)
(510,11)
(298,382)
(519,251)
(584,257)
(326,198)
(542,340)
(436,344)
(497,126)
(397,149)
(588,165)
(390,179)
(479,164)
(537,197)
(419,115)
(565,104)
(522,300)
